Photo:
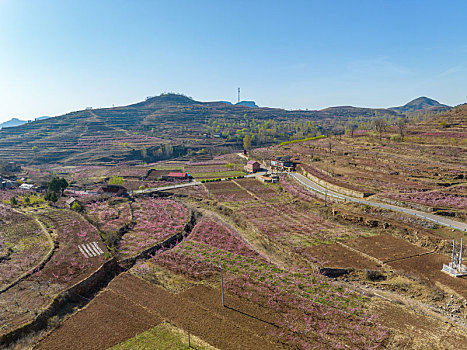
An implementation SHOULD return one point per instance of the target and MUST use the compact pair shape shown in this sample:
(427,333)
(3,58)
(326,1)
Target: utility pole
(222,285)
(189,342)
(238,98)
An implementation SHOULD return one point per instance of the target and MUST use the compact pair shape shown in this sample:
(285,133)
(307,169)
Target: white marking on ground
(90,249)
(82,251)
(97,247)
(93,248)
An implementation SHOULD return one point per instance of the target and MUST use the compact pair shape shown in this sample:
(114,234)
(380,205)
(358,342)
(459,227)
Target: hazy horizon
(58,57)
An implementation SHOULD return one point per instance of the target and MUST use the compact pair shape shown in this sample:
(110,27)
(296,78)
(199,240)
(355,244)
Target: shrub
(374,275)
(51,196)
(76,207)
(117,180)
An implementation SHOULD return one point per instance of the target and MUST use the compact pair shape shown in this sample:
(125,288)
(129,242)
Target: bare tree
(401,124)
(380,126)
(352,127)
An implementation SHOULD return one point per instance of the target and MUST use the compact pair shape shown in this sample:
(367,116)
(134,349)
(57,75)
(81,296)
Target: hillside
(421,104)
(452,120)
(163,127)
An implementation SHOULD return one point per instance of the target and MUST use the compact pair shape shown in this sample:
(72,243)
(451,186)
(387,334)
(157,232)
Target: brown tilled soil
(130,305)
(428,268)
(386,248)
(410,259)
(412,329)
(335,255)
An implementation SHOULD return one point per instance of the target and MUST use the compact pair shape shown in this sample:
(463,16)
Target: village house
(156,175)
(282,164)
(252,166)
(115,190)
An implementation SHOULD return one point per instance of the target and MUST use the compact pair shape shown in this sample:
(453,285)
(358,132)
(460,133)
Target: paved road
(427,216)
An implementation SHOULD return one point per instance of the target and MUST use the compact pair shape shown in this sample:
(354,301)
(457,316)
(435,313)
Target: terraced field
(24,244)
(77,254)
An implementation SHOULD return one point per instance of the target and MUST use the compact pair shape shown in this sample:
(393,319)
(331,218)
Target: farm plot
(428,268)
(155,219)
(412,260)
(296,225)
(199,192)
(68,265)
(280,218)
(135,306)
(23,245)
(227,191)
(214,169)
(313,310)
(111,217)
(80,247)
(386,248)
(337,256)
(262,191)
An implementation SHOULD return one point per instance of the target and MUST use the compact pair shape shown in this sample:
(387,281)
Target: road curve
(420,214)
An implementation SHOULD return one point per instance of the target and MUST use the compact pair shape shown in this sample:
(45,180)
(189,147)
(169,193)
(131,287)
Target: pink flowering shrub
(430,198)
(218,234)
(156,219)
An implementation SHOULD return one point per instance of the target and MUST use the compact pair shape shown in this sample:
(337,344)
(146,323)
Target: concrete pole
(460,256)
(222,285)
(452,258)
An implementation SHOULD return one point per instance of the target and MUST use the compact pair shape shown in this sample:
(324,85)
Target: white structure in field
(455,267)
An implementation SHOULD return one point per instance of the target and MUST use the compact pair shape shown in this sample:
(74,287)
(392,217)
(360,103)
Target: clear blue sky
(58,56)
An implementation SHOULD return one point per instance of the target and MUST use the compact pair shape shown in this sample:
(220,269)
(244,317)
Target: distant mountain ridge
(12,122)
(17,122)
(419,104)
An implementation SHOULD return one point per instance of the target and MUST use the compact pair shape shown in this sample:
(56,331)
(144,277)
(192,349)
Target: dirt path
(130,306)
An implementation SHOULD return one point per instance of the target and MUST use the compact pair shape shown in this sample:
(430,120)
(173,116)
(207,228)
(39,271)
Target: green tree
(247,142)
(117,180)
(13,201)
(57,185)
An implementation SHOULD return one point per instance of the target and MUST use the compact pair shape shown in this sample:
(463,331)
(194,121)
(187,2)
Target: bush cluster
(302,140)
(219,179)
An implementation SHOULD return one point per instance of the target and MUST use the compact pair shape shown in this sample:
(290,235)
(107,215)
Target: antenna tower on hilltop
(238,99)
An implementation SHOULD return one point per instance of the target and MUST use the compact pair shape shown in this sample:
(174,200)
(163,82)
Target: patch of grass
(163,336)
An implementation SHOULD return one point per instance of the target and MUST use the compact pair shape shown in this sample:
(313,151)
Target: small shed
(175,176)
(26,186)
(252,166)
(70,201)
